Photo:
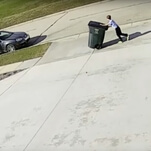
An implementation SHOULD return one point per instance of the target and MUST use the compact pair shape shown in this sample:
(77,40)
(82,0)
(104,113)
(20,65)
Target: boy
(119,33)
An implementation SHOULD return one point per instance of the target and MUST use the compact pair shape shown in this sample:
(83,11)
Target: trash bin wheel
(98,46)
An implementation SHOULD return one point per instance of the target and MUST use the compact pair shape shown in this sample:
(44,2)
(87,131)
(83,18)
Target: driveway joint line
(66,91)
(19,78)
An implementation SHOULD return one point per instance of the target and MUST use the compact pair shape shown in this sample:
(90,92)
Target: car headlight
(19,39)
(27,37)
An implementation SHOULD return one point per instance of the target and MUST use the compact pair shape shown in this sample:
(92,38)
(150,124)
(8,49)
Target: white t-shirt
(113,23)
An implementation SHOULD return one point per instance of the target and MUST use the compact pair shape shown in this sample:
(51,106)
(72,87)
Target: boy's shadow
(131,37)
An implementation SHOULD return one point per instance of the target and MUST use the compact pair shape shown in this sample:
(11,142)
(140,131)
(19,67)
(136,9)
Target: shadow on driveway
(138,34)
(131,37)
(36,40)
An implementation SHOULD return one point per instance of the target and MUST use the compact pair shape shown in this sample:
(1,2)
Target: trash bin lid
(97,25)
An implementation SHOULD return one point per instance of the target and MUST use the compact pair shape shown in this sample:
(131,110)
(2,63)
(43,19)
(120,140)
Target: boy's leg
(118,33)
(124,34)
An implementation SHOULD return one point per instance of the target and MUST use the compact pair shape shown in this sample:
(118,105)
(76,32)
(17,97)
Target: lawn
(24,54)
(17,11)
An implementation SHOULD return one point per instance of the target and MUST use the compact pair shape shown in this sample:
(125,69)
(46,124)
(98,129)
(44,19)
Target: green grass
(17,11)
(24,54)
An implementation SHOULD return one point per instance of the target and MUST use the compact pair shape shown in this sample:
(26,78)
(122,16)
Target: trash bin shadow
(110,43)
(131,37)
(36,40)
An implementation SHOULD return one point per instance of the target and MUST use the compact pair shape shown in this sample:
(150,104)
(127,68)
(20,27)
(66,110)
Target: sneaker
(120,42)
(128,37)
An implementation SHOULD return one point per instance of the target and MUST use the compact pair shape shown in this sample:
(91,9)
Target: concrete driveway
(77,98)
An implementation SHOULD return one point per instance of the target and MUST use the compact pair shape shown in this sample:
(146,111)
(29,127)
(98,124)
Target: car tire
(10,48)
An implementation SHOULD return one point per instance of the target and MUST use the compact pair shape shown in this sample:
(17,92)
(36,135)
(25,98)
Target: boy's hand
(102,24)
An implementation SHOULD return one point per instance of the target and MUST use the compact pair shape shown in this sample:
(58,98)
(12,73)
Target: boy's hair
(108,16)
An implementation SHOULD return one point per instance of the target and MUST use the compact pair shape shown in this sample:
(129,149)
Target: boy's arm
(102,24)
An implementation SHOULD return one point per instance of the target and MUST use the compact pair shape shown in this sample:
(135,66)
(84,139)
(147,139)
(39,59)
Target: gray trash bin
(96,34)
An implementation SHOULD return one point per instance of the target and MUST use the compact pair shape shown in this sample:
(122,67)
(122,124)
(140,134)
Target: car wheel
(10,48)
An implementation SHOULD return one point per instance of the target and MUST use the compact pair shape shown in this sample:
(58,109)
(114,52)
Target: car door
(1,48)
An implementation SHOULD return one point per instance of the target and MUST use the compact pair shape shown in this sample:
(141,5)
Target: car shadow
(131,37)
(36,40)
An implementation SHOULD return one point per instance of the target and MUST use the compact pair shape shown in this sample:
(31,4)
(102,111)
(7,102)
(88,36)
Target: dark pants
(119,33)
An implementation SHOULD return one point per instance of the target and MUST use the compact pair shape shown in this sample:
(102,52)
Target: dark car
(10,41)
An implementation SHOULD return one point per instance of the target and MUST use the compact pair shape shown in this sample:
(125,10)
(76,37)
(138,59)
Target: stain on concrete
(71,138)
(109,141)
(77,139)
(37,109)
(59,139)
(85,112)
(12,129)
(137,135)
(20,123)
(113,142)
(8,137)
(128,139)
(120,69)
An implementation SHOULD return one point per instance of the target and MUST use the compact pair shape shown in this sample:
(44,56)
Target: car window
(4,35)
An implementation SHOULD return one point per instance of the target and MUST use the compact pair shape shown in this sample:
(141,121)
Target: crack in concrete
(65,13)
(38,37)
(18,79)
